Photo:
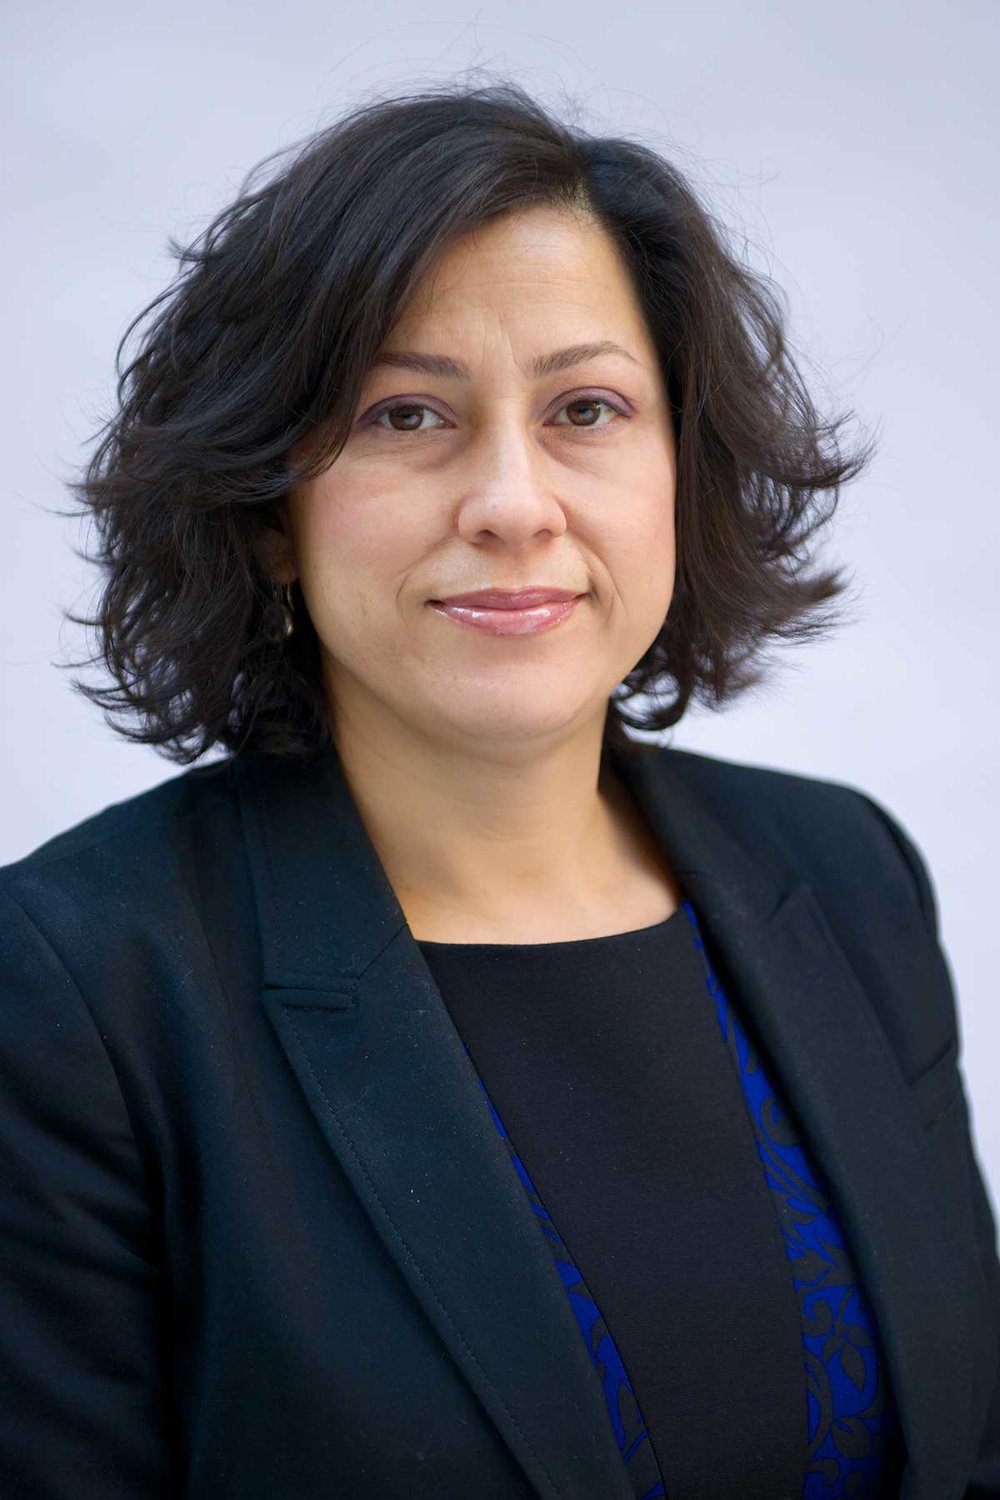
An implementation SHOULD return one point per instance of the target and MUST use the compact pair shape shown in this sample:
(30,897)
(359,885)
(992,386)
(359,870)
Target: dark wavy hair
(266,334)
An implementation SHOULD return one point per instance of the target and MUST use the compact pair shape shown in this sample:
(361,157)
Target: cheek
(649,544)
(355,544)
(646,565)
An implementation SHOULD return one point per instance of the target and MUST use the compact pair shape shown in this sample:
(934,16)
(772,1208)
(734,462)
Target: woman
(445,1093)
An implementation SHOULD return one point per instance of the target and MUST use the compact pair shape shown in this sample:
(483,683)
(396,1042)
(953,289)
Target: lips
(509,598)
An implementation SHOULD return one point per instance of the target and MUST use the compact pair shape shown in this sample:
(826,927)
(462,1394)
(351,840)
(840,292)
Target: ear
(274,549)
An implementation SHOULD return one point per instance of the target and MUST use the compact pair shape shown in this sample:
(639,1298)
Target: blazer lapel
(383,1068)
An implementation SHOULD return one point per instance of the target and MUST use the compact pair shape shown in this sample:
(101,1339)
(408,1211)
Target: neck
(487,842)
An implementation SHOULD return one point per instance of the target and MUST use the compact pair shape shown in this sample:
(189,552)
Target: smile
(508,621)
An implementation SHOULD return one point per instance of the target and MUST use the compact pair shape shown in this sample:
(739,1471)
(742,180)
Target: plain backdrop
(850,149)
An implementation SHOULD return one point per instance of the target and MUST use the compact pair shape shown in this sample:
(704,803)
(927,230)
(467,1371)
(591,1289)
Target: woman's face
(492,474)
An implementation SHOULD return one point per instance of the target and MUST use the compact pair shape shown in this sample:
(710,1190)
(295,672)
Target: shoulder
(744,788)
(151,814)
(834,833)
(139,853)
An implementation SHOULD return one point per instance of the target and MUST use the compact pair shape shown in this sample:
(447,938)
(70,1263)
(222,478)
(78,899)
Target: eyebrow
(454,369)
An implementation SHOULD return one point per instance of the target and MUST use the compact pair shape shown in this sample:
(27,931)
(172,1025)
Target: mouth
(508,620)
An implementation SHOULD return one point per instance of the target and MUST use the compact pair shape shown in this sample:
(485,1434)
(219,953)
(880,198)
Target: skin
(474,760)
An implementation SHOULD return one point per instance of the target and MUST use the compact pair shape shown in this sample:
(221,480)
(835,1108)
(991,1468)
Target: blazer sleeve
(80,1396)
(985,1480)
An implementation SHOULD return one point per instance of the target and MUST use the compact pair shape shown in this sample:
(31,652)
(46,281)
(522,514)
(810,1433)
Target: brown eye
(411,420)
(589,406)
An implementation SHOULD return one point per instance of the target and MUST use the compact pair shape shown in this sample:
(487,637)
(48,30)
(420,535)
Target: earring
(284,622)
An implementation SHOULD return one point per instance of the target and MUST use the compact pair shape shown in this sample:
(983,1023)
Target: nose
(508,489)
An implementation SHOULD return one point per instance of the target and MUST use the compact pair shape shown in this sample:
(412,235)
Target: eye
(592,402)
(414,421)
(409,408)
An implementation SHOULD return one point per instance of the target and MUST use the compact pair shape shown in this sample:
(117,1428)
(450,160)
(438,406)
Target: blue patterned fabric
(853,1430)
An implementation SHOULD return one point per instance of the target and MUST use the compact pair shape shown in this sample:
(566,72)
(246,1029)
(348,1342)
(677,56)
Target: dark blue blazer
(260,1240)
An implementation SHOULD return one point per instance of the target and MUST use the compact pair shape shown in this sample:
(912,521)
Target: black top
(606,1063)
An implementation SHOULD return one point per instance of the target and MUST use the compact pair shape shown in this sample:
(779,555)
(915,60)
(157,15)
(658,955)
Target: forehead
(541,275)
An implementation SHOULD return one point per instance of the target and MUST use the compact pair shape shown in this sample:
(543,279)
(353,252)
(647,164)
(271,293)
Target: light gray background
(852,147)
